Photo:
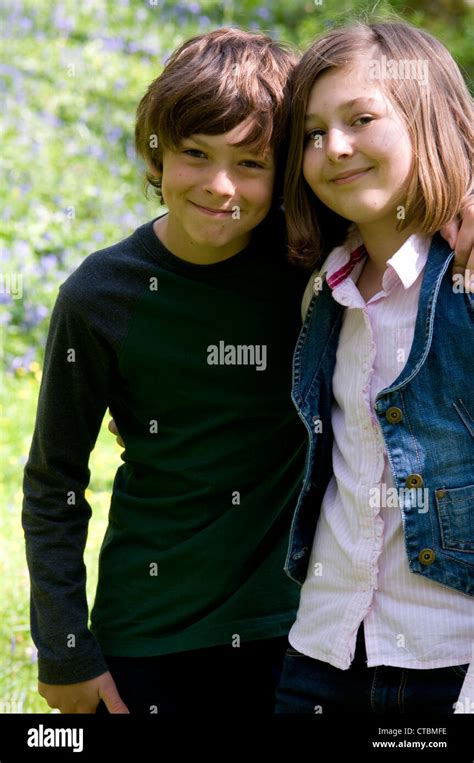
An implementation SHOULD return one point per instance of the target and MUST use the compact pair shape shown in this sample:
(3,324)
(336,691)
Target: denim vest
(427,420)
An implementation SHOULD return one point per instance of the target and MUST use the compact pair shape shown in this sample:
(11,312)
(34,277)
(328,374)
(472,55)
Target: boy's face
(216,194)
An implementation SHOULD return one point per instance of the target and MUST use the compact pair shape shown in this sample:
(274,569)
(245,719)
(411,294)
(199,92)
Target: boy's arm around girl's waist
(73,399)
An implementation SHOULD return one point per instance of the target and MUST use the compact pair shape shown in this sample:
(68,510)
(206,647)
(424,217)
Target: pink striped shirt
(358,570)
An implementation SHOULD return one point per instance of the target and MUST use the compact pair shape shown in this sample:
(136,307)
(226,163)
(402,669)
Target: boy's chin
(220,239)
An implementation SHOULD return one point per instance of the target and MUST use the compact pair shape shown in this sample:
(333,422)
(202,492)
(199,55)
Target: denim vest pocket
(465,415)
(456,517)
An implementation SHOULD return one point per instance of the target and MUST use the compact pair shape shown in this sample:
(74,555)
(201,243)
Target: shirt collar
(405,265)
(409,261)
(340,262)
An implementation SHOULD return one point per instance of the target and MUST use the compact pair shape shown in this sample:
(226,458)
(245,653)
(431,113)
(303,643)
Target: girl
(381,135)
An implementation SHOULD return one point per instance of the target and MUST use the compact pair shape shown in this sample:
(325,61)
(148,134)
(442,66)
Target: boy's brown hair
(210,85)
(438,116)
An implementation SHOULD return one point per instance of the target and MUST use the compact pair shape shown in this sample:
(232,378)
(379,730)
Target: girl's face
(358,155)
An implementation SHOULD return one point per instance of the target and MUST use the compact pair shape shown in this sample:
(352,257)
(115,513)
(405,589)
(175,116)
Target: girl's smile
(349,176)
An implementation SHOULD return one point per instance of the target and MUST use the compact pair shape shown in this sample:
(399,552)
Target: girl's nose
(338,145)
(220,183)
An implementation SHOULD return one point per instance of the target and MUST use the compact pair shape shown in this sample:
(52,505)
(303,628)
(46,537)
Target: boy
(176,330)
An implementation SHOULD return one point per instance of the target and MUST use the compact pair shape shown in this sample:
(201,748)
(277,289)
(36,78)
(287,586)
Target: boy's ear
(152,169)
(156,174)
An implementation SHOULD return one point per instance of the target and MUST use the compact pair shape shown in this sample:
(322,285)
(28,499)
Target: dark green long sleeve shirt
(194,362)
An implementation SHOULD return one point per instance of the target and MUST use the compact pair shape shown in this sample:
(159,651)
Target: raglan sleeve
(73,399)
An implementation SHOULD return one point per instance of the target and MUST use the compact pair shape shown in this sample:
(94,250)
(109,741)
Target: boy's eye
(252,164)
(195,152)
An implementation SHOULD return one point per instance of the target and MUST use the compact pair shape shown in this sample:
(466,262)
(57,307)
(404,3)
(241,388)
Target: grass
(18,662)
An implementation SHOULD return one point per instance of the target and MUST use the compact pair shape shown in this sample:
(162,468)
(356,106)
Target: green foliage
(71,81)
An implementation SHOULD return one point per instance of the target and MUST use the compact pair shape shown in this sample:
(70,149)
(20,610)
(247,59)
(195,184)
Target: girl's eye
(313,134)
(364,120)
(194,152)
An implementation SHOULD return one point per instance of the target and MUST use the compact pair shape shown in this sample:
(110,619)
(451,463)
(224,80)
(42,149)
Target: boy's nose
(220,183)
(338,145)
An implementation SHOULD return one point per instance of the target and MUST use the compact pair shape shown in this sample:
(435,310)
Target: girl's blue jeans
(312,686)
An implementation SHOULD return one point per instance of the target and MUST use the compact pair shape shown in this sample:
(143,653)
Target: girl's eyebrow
(345,105)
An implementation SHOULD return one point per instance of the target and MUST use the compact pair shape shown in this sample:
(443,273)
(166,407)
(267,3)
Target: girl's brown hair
(438,116)
(210,85)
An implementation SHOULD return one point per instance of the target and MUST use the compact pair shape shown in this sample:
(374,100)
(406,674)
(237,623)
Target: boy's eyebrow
(345,105)
(247,149)
(197,140)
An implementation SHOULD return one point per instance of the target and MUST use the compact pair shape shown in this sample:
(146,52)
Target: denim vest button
(427,556)
(414,480)
(440,493)
(393,415)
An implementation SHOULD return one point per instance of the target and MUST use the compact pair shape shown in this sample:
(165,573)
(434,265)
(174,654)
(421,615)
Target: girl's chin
(364,215)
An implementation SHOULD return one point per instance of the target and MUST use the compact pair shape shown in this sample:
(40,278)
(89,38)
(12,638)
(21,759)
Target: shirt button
(427,556)
(393,415)
(414,480)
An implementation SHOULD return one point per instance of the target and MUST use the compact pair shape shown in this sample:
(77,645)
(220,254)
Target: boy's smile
(213,212)
(216,194)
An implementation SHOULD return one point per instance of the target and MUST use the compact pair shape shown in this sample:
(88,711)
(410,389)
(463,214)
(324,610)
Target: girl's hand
(112,427)
(461,239)
(84,697)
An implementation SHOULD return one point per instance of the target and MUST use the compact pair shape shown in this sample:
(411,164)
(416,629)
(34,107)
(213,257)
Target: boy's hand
(112,427)
(461,239)
(84,696)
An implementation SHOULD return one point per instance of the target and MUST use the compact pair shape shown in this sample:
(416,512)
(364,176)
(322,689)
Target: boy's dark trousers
(220,680)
